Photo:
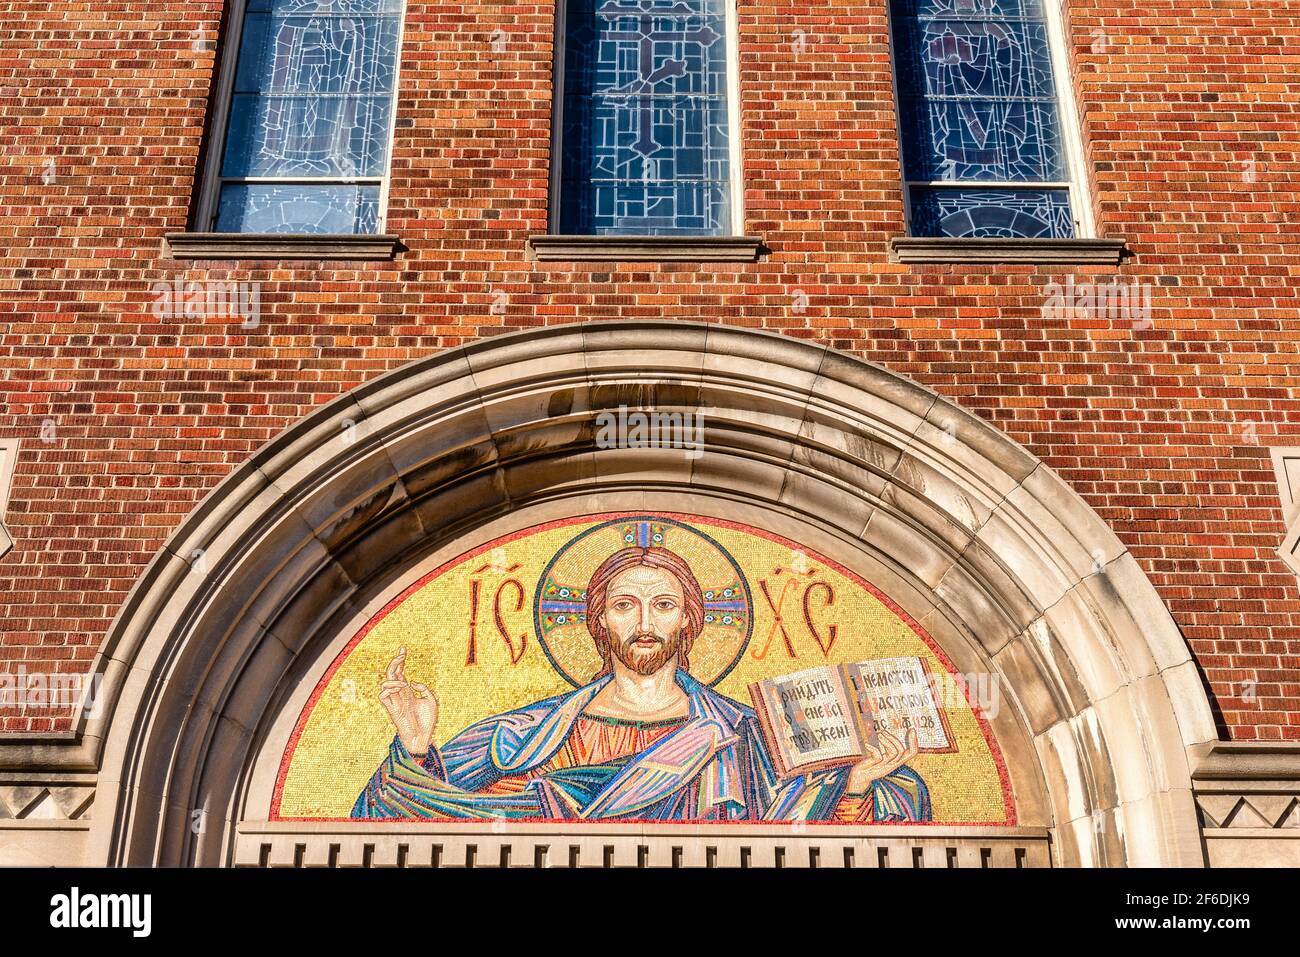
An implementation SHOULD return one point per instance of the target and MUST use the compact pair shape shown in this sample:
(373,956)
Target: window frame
(736,193)
(1076,186)
(207,208)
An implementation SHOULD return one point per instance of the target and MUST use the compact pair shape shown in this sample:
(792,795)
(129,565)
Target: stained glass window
(645,140)
(983,146)
(306,144)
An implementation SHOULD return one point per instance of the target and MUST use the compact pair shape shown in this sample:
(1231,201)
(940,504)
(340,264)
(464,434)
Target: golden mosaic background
(347,733)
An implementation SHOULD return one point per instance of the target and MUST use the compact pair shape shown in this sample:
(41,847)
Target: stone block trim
(545,847)
(37,801)
(1257,810)
(1248,802)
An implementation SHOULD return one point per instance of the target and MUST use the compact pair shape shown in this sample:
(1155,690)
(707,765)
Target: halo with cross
(560,604)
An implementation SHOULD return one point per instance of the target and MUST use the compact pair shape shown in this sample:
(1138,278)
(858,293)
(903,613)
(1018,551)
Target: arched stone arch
(994,554)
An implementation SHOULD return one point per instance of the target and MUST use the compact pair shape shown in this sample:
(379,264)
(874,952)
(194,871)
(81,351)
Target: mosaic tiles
(532,723)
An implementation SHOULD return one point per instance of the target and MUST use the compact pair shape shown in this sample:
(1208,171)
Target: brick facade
(1190,121)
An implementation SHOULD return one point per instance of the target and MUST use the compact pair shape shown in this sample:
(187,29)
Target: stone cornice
(281,246)
(553,248)
(1241,761)
(941,249)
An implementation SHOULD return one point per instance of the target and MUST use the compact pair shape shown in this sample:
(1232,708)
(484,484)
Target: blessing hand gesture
(411,706)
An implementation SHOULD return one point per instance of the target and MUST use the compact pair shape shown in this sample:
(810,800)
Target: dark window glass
(645,146)
(978,105)
(307,137)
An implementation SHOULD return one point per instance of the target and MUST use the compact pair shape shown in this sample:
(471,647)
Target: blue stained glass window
(991,213)
(978,105)
(645,145)
(305,207)
(306,142)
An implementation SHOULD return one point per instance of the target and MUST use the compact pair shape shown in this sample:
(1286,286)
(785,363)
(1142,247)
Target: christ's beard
(646,663)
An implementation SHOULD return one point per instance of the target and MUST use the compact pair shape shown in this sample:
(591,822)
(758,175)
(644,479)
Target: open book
(826,716)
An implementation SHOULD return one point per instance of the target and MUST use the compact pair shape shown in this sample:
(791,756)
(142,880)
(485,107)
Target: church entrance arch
(807,512)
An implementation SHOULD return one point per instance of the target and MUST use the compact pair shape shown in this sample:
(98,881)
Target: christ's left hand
(879,762)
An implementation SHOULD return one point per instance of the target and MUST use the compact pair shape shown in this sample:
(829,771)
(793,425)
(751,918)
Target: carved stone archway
(988,548)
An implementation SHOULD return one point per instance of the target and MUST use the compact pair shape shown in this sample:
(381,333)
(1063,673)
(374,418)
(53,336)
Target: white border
(1076,161)
(736,159)
(557,115)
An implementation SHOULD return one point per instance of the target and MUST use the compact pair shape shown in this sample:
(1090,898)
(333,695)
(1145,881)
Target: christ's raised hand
(412,707)
(888,758)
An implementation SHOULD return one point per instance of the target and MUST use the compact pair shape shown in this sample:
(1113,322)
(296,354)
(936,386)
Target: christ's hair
(660,558)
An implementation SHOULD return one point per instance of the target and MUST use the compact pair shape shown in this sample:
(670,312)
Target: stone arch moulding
(973,536)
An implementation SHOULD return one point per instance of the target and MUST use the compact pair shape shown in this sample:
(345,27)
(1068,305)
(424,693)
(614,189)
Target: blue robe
(714,767)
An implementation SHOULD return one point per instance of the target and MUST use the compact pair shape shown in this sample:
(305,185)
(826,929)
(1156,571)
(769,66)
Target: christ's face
(644,614)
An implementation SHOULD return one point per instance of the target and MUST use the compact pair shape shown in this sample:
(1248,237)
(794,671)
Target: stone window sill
(551,248)
(941,249)
(281,246)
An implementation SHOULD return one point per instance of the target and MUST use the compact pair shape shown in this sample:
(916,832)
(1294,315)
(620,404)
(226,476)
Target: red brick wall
(1190,123)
